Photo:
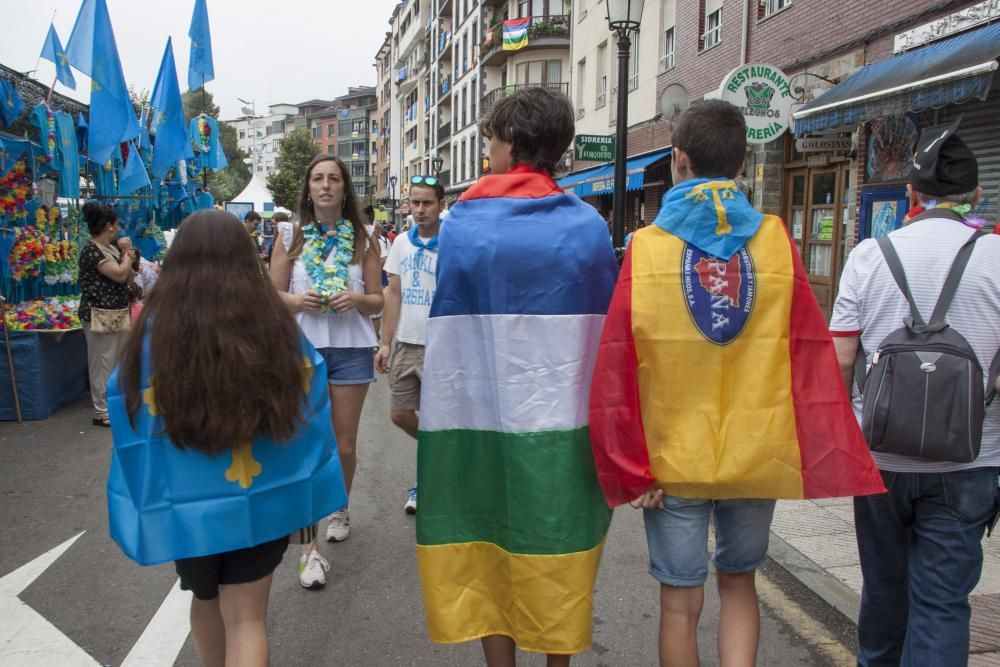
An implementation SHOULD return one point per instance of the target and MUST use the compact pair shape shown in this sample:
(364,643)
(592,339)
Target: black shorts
(203,575)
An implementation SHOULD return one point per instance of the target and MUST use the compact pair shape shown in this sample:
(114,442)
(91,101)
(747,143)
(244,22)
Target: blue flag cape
(710,214)
(165,503)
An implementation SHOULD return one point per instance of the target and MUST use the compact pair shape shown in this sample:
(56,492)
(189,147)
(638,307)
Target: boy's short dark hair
(252,215)
(713,134)
(538,122)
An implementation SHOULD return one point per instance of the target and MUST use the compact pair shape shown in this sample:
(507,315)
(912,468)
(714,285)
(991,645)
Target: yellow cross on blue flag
(55,53)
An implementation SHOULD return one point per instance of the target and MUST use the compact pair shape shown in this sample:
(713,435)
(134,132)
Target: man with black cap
(920,543)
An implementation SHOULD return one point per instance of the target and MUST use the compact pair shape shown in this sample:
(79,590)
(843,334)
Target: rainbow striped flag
(515,33)
(718,379)
(512,522)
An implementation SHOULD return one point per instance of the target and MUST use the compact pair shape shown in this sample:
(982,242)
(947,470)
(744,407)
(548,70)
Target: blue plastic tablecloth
(51,372)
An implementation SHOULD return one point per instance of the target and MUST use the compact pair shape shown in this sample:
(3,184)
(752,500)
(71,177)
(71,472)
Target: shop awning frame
(952,71)
(599,180)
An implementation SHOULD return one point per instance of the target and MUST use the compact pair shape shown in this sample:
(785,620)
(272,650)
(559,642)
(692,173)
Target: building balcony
(494,3)
(444,45)
(445,87)
(444,8)
(490,98)
(544,32)
(444,133)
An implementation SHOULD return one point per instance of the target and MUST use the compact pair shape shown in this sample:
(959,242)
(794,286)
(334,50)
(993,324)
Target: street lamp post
(252,112)
(392,201)
(624,17)
(436,163)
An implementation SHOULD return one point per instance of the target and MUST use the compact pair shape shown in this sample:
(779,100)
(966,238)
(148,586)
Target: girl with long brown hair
(218,424)
(328,272)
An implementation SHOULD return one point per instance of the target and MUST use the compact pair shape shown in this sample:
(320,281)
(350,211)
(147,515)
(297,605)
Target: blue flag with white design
(166,503)
(168,125)
(200,68)
(56,54)
(132,175)
(92,50)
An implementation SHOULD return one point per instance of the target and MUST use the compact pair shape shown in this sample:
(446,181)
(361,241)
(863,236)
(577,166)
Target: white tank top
(330,329)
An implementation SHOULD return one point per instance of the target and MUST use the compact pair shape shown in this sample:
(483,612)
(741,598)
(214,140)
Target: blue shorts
(677,535)
(349,365)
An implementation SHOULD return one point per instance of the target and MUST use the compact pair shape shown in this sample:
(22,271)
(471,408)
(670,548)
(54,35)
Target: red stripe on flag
(517,23)
(835,458)
(616,432)
(520,181)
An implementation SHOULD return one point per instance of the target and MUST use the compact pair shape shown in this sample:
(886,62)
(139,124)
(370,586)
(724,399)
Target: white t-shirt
(330,329)
(870,304)
(417,273)
(383,242)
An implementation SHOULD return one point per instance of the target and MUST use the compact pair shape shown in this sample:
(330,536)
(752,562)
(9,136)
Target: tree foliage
(139,99)
(225,184)
(295,151)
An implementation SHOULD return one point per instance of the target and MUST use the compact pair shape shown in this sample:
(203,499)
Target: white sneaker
(339,527)
(411,501)
(312,570)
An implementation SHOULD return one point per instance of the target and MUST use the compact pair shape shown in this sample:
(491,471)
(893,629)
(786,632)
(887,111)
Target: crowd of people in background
(545,385)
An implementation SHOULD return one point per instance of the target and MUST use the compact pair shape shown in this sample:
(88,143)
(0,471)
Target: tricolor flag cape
(716,376)
(512,522)
(165,503)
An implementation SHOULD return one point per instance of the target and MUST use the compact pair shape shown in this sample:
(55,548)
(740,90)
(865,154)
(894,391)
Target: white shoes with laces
(312,570)
(339,527)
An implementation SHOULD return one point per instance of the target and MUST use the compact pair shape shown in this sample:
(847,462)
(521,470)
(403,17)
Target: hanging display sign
(964,19)
(764,95)
(598,147)
(826,144)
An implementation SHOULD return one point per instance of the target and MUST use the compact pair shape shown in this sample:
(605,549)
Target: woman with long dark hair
(215,422)
(105,269)
(328,272)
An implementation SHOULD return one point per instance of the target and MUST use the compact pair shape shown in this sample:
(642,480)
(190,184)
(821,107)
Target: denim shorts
(677,535)
(349,365)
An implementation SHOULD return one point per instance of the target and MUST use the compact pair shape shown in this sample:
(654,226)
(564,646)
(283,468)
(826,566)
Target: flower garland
(59,261)
(26,256)
(203,140)
(328,279)
(15,190)
(51,313)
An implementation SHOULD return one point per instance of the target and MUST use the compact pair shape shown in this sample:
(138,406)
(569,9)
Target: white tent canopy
(256,193)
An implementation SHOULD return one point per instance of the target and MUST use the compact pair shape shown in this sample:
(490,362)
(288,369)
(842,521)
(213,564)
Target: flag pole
(38,62)
(204,169)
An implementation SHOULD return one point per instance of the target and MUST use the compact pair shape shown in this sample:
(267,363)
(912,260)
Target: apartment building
(449,67)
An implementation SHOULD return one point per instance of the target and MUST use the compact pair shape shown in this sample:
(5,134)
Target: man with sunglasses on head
(412,269)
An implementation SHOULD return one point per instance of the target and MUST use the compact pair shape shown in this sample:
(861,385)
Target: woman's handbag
(103,320)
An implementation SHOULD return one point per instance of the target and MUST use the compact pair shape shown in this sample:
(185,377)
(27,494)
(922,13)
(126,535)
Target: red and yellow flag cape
(718,379)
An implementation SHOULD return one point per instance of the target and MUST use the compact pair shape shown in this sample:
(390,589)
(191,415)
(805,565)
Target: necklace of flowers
(203,138)
(328,278)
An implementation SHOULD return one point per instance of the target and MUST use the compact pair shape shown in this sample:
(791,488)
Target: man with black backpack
(916,326)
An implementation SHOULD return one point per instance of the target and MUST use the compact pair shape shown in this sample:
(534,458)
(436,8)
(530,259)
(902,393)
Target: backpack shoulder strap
(899,275)
(991,378)
(951,282)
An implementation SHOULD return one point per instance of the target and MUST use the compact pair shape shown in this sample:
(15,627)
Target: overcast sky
(279,51)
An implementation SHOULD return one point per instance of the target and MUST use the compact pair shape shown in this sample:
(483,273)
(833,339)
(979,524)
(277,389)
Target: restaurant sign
(764,95)
(598,147)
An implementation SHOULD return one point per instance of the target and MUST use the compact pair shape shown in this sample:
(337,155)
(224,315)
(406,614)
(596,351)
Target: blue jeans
(920,558)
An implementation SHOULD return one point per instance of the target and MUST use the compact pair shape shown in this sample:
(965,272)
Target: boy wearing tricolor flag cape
(223,444)
(717,389)
(512,522)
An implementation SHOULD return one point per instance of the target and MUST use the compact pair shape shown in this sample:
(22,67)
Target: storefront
(881,109)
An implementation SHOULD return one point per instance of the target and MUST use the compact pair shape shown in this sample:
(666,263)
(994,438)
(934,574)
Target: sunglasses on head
(423,180)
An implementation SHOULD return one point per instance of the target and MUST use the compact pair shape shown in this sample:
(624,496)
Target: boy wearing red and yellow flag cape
(716,389)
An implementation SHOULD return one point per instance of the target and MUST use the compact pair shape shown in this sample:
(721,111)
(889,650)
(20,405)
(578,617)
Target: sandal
(102,421)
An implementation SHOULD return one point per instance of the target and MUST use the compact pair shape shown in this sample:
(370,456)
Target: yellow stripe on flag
(705,406)
(477,589)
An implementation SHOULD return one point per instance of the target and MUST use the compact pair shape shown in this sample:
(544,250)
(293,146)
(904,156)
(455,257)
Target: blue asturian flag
(69,156)
(172,142)
(92,50)
(200,67)
(165,503)
(132,175)
(11,104)
(56,54)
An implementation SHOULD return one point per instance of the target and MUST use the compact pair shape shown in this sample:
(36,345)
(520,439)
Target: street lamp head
(247,111)
(436,164)
(392,182)
(624,14)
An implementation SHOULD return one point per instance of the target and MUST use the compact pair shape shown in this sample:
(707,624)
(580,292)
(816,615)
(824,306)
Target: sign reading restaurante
(764,95)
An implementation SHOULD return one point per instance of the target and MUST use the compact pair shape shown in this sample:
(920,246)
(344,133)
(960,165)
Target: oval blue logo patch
(719,294)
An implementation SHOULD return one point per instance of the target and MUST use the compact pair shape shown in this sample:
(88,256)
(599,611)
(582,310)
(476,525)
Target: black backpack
(923,395)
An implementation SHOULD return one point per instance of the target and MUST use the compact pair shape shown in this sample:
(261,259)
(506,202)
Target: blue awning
(952,71)
(600,180)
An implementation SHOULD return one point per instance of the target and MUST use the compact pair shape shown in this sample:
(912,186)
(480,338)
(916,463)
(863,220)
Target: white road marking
(26,637)
(164,637)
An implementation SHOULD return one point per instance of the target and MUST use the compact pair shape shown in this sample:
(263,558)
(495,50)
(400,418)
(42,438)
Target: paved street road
(52,477)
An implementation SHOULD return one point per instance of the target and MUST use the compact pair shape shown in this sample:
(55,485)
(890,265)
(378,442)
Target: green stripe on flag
(529,493)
